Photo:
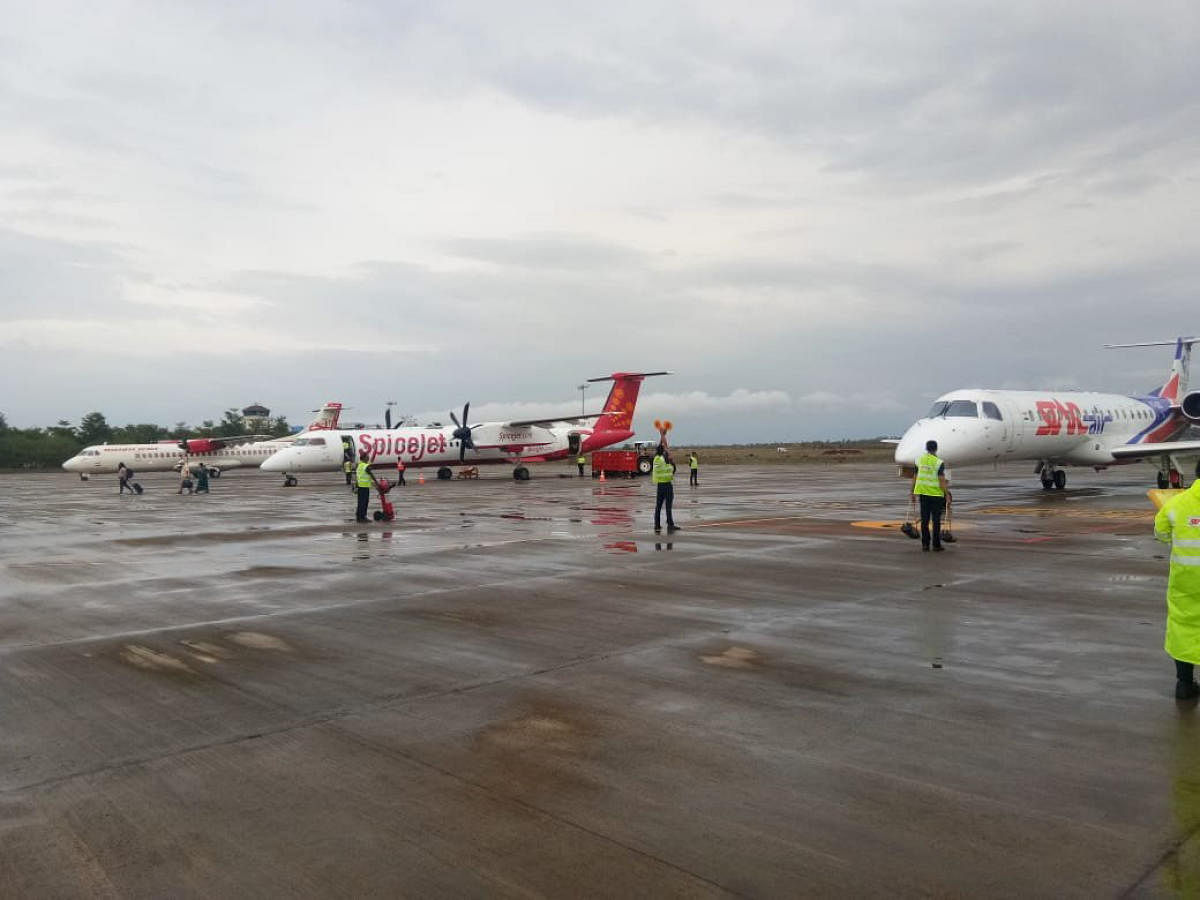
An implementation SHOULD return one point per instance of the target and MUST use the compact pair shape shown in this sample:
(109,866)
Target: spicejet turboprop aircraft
(1064,428)
(214,453)
(514,443)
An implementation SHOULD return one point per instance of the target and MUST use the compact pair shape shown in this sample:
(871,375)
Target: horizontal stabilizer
(615,375)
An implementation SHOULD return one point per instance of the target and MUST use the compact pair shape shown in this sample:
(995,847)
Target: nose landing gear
(1053,478)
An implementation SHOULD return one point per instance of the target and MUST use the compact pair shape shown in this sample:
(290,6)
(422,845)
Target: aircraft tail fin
(327,418)
(622,399)
(1176,385)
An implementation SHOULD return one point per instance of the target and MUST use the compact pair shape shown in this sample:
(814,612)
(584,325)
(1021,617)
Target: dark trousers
(580,469)
(349,479)
(364,499)
(664,497)
(1184,672)
(931,508)
(694,478)
(399,476)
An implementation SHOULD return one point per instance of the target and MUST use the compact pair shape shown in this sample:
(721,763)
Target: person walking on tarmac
(929,487)
(694,465)
(1178,524)
(364,479)
(580,460)
(399,471)
(663,475)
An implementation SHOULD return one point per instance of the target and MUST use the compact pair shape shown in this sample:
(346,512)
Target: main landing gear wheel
(214,472)
(1047,482)
(645,465)
(445,473)
(520,473)
(290,481)
(1060,480)
(1162,480)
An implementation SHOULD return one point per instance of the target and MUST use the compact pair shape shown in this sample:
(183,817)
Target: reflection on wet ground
(520,688)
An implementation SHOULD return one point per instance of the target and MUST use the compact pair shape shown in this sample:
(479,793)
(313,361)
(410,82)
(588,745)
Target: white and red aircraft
(214,453)
(1064,428)
(489,443)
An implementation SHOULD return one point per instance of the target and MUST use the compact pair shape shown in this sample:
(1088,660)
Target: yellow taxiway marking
(896,523)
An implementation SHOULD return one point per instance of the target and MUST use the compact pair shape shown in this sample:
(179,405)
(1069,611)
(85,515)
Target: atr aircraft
(440,447)
(215,453)
(1064,428)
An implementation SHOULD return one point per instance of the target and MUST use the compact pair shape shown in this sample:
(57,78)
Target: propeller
(462,433)
(387,418)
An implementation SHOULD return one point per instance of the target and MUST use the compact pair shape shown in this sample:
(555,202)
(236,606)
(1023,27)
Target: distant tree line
(41,448)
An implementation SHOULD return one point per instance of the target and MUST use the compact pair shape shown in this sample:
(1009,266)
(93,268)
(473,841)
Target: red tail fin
(622,400)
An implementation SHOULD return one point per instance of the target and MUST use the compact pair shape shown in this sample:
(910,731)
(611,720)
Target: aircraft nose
(912,445)
(72,464)
(276,462)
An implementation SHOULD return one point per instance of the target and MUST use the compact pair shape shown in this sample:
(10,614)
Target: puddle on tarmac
(258,641)
(735,658)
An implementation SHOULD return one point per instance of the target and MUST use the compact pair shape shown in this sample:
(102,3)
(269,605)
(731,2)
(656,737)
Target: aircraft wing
(551,421)
(1163,448)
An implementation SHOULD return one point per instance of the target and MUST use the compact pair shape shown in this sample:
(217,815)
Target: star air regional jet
(1064,428)
(214,453)
(486,443)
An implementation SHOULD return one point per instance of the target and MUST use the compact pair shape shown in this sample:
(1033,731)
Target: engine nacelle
(202,445)
(1190,406)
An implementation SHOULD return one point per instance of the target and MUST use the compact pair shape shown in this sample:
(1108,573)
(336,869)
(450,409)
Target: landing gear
(520,473)
(1162,480)
(290,480)
(214,472)
(1053,478)
(1168,474)
(445,473)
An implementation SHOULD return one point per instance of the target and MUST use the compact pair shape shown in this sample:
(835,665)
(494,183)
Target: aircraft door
(1013,431)
(347,449)
(573,440)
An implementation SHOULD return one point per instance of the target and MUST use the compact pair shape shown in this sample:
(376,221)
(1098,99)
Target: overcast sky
(818,215)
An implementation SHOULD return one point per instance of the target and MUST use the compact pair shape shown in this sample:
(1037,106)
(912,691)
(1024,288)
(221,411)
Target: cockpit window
(962,409)
(992,411)
(939,409)
(309,442)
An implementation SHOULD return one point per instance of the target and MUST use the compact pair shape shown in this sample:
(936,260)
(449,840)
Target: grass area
(805,453)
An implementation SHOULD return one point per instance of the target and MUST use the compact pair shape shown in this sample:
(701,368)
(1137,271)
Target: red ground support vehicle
(387,512)
(629,463)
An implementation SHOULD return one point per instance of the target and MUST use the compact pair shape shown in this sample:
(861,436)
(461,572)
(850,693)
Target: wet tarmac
(518,689)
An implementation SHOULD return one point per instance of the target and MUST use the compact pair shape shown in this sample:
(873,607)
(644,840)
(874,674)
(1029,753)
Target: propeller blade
(387,417)
(454,419)
(466,407)
(462,452)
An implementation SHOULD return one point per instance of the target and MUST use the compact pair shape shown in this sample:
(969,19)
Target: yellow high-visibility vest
(364,474)
(581,460)
(663,472)
(347,468)
(1178,523)
(927,477)
(693,462)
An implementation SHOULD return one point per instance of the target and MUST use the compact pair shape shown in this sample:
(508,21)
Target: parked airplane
(514,443)
(1064,428)
(215,453)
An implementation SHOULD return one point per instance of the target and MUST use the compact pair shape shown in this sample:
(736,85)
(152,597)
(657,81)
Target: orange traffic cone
(602,478)
(420,478)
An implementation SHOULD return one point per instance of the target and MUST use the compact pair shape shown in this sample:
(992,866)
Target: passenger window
(991,411)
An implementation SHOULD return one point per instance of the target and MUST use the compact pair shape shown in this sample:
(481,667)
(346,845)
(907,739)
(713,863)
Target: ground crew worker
(201,479)
(929,487)
(579,461)
(399,470)
(364,481)
(1178,523)
(694,465)
(663,476)
(348,469)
